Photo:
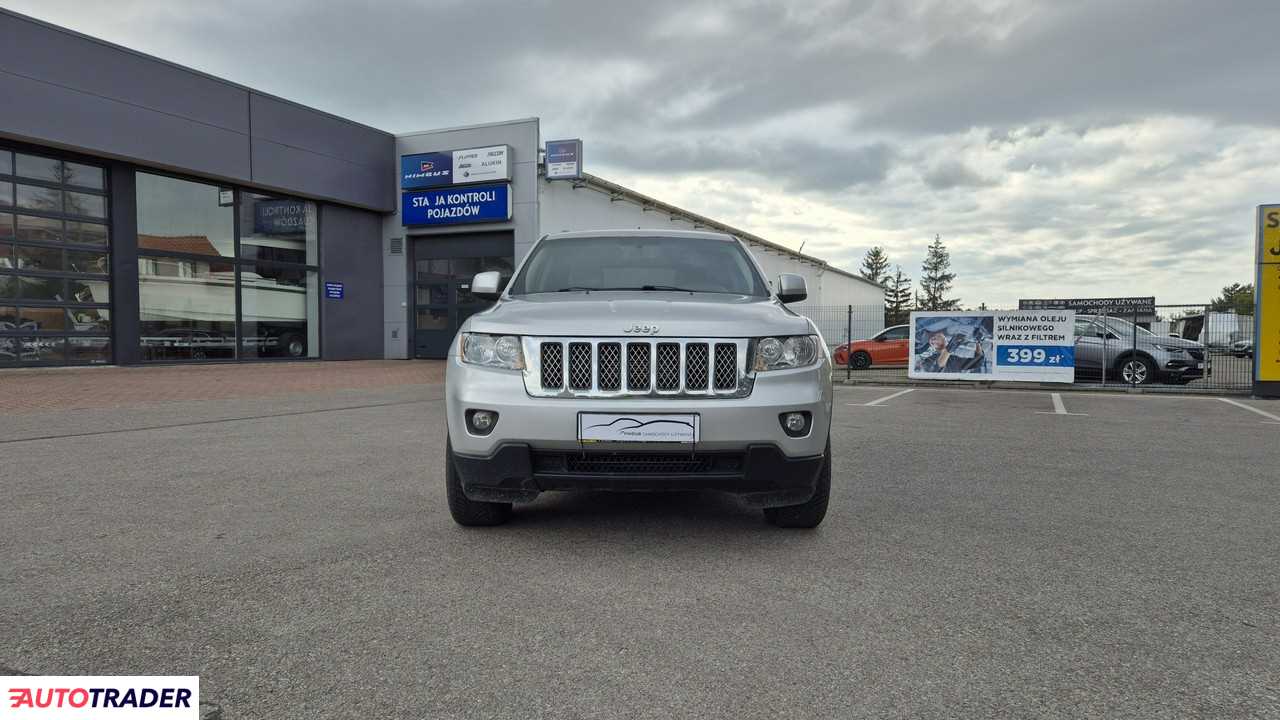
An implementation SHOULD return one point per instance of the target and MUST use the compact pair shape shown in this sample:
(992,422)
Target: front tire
(811,513)
(860,361)
(1137,370)
(467,512)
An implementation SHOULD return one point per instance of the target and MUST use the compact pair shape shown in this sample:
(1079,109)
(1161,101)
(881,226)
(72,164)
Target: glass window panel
(42,349)
(83,175)
(186,309)
(278,307)
(89,291)
(277,229)
(89,351)
(46,319)
(38,229)
(465,268)
(6,162)
(503,265)
(90,319)
(6,256)
(40,288)
(8,351)
(8,286)
(433,318)
(183,216)
(433,269)
(86,205)
(35,197)
(6,227)
(6,194)
(464,294)
(8,318)
(36,167)
(433,294)
(38,258)
(87,262)
(86,233)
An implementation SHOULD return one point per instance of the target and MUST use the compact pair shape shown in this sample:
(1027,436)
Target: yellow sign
(1267,344)
(1268,341)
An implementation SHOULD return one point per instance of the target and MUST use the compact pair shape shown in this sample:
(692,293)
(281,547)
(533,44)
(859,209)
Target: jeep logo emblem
(642,330)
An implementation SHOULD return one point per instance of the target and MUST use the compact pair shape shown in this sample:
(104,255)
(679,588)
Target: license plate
(638,427)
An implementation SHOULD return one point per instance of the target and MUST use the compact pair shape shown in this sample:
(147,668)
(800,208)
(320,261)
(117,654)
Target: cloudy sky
(1084,148)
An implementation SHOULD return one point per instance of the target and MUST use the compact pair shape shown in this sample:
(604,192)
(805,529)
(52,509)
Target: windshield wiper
(577,288)
(643,288)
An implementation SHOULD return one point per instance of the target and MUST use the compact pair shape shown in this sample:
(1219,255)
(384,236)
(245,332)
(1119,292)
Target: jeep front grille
(627,367)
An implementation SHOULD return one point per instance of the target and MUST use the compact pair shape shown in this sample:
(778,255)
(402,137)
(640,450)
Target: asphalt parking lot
(987,554)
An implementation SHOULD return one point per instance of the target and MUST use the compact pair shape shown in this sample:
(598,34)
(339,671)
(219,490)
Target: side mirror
(487,285)
(791,288)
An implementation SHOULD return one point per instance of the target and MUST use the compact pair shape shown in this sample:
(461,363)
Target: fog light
(796,424)
(481,422)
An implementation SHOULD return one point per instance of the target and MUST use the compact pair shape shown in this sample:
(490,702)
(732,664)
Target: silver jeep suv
(639,360)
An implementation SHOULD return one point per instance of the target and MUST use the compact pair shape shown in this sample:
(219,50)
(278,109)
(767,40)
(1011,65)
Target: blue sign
(426,170)
(563,159)
(334,290)
(1036,356)
(279,217)
(454,206)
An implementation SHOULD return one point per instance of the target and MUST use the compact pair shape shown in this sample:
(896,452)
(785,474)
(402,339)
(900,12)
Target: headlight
(1169,348)
(778,353)
(500,351)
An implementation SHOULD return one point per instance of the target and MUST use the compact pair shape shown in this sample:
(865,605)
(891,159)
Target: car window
(895,333)
(1085,328)
(639,263)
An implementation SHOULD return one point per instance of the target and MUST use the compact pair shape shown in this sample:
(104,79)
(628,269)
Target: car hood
(611,314)
(1171,342)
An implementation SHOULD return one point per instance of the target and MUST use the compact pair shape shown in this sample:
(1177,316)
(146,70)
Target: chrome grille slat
(552,365)
(667,366)
(579,366)
(726,371)
(638,372)
(695,364)
(608,367)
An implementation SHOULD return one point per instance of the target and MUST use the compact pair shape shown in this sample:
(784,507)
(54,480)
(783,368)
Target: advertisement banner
(1020,345)
(1122,306)
(454,206)
(564,159)
(486,164)
(279,217)
(425,170)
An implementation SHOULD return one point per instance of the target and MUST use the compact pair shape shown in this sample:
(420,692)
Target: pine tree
(897,298)
(936,279)
(875,266)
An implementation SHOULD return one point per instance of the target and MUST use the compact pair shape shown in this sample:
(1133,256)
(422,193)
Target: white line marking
(1059,408)
(876,403)
(1267,415)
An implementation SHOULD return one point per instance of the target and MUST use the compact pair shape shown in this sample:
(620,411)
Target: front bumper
(760,474)
(726,424)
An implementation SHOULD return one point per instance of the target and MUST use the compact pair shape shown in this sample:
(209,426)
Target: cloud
(1083,148)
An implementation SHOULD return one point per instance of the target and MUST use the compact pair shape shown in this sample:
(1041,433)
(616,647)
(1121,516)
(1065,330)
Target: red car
(888,347)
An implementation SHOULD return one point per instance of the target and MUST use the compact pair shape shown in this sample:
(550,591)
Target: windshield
(703,265)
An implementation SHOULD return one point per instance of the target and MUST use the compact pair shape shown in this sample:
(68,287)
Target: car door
(895,341)
(1090,346)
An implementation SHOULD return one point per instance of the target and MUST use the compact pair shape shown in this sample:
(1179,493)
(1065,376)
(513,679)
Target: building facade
(150,213)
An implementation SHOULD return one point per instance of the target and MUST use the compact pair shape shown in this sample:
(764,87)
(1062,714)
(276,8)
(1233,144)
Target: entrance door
(443,269)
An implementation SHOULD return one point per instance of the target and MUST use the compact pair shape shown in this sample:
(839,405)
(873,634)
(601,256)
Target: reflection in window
(47,319)
(40,288)
(36,197)
(433,319)
(180,216)
(278,308)
(88,351)
(83,175)
(187,312)
(95,320)
(277,229)
(37,168)
(86,233)
(39,258)
(6,194)
(38,229)
(94,206)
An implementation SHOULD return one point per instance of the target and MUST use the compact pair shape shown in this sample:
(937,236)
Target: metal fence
(1178,348)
